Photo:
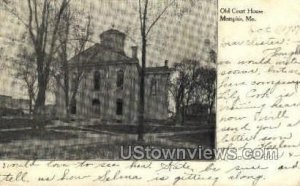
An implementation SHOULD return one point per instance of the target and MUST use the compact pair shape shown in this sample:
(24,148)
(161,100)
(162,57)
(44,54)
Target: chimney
(134,52)
(166,63)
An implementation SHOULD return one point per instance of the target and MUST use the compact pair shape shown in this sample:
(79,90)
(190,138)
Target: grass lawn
(10,136)
(132,129)
(72,143)
(22,122)
(65,146)
(205,139)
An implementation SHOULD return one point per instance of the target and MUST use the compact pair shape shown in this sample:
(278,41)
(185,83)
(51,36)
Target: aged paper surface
(257,109)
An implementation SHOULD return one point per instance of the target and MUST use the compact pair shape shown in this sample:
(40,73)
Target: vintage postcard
(149,92)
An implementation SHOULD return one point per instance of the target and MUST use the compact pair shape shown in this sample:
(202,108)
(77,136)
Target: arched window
(153,87)
(119,110)
(120,79)
(73,108)
(96,106)
(73,81)
(96,80)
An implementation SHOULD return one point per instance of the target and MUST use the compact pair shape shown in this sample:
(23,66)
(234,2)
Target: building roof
(112,31)
(100,54)
(105,54)
(161,69)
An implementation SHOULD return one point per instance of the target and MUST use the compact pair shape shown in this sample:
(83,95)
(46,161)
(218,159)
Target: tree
(208,85)
(183,86)
(43,27)
(25,71)
(42,24)
(192,84)
(72,39)
(144,31)
(208,80)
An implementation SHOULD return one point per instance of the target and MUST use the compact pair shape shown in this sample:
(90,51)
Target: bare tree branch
(69,74)
(158,17)
(36,14)
(140,14)
(30,23)
(14,13)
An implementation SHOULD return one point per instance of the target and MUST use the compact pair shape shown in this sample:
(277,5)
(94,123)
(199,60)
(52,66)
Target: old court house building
(109,89)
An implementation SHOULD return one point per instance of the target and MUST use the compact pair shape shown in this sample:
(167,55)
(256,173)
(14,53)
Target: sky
(180,33)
